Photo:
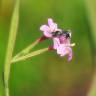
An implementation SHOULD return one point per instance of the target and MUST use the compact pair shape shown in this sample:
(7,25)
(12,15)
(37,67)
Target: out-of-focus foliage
(91,7)
(91,10)
(48,74)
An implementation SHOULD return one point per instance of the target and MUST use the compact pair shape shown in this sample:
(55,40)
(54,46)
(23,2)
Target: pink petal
(47,34)
(56,43)
(58,30)
(65,41)
(52,25)
(63,50)
(70,54)
(44,28)
(50,22)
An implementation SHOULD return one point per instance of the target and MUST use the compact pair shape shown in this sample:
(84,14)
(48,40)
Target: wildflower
(49,29)
(61,38)
(62,45)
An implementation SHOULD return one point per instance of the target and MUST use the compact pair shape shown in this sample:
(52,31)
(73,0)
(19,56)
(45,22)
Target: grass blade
(91,10)
(11,43)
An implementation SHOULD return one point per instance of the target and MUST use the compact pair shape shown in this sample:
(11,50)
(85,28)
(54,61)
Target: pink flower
(49,29)
(63,48)
(61,38)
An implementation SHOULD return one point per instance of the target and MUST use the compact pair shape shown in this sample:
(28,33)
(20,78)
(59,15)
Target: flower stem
(27,49)
(29,55)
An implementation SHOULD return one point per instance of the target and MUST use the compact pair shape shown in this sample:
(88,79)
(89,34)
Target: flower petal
(70,54)
(52,25)
(64,40)
(50,22)
(44,28)
(47,34)
(63,50)
(56,43)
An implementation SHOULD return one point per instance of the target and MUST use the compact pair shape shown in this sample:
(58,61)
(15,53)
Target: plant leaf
(91,10)
(11,43)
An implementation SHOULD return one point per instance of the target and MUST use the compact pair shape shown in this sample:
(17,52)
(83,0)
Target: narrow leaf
(91,10)
(11,43)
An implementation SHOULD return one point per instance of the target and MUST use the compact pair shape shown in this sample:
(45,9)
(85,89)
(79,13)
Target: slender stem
(27,49)
(7,90)
(11,43)
(29,55)
(20,57)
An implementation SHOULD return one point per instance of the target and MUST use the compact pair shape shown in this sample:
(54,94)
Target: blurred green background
(47,74)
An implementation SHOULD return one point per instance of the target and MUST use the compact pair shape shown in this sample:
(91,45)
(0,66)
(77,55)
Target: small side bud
(50,48)
(42,39)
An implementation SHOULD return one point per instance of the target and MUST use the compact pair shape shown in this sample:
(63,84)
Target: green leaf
(11,43)
(91,10)
(92,92)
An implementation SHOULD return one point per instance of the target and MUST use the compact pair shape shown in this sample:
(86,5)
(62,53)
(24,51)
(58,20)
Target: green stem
(21,56)
(11,43)
(29,55)
(27,49)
